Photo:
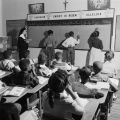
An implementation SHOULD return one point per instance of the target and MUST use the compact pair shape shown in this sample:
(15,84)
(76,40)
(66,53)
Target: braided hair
(57,83)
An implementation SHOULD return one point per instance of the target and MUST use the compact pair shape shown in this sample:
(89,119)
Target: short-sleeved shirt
(7,65)
(109,68)
(63,106)
(70,42)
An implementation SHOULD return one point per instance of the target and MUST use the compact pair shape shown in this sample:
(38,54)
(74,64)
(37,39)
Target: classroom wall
(18,9)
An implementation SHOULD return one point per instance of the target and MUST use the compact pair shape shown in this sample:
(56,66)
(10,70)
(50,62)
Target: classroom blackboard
(13,27)
(117,36)
(36,33)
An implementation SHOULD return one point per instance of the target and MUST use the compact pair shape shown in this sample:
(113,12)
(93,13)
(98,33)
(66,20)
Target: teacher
(96,47)
(22,44)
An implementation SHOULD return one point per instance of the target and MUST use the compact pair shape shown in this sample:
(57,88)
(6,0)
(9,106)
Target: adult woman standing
(22,44)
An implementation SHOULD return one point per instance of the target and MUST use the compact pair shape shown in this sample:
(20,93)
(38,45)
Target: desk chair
(34,101)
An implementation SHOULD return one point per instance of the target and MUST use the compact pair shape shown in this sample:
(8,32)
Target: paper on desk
(16,91)
(114,81)
(83,102)
(98,85)
(2,72)
(42,79)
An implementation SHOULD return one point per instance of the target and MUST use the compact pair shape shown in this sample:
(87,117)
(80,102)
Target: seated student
(108,66)
(97,68)
(81,89)
(9,111)
(60,101)
(26,76)
(26,55)
(58,63)
(8,64)
(42,69)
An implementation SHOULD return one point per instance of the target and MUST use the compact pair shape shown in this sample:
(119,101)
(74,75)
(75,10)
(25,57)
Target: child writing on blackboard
(96,46)
(69,44)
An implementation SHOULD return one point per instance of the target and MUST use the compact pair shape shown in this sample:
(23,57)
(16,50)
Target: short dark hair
(109,55)
(97,66)
(58,81)
(50,32)
(84,73)
(7,54)
(26,53)
(58,55)
(42,58)
(24,64)
(71,33)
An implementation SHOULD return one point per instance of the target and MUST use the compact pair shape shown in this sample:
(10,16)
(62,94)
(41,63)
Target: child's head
(85,73)
(7,54)
(66,35)
(25,65)
(97,67)
(42,58)
(26,54)
(71,33)
(58,55)
(50,32)
(109,55)
(58,81)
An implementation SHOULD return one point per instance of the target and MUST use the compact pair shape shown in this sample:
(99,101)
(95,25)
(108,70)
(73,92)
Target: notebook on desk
(16,91)
(2,72)
(98,85)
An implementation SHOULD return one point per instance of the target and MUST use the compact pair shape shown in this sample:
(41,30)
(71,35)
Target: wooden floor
(115,110)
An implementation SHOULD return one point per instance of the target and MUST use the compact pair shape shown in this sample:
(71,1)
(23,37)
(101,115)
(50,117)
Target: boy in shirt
(26,77)
(8,63)
(69,44)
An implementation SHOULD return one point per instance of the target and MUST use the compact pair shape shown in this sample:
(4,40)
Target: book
(114,81)
(16,91)
(98,85)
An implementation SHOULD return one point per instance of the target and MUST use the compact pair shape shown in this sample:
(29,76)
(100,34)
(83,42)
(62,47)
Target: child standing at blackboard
(69,44)
(50,45)
(96,47)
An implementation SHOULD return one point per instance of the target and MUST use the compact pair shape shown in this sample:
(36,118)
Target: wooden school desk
(92,110)
(37,101)
(13,99)
(4,74)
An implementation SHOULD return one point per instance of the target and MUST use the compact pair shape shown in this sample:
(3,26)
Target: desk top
(4,74)
(90,110)
(13,99)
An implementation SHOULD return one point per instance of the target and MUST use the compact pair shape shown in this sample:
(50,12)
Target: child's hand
(78,37)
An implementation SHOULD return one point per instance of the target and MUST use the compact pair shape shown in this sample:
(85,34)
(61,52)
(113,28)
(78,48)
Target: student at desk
(80,87)
(98,76)
(8,64)
(26,76)
(58,63)
(9,111)
(108,65)
(60,101)
(42,69)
